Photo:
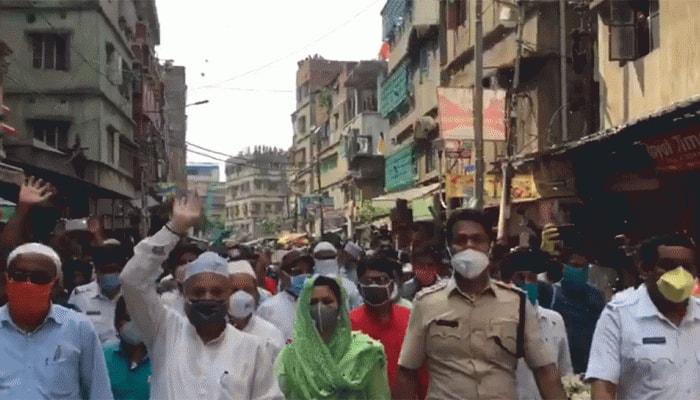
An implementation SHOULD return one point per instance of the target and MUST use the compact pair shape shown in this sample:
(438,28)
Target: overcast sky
(242,55)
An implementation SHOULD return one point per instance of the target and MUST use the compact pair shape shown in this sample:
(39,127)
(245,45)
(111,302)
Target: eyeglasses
(37,278)
(378,280)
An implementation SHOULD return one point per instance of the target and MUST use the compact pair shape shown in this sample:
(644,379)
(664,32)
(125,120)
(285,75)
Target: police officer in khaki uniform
(470,331)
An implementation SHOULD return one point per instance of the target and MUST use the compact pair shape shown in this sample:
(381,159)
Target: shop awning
(389,200)
(672,118)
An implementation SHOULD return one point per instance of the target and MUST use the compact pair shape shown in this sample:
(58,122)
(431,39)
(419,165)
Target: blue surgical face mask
(109,282)
(576,275)
(298,284)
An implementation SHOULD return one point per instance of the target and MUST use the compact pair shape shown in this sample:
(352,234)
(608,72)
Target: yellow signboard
(462,186)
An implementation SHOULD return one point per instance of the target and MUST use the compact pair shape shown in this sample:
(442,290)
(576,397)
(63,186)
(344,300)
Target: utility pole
(479,105)
(504,211)
(317,136)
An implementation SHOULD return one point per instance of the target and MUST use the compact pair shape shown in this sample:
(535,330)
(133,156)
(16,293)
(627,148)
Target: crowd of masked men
(85,316)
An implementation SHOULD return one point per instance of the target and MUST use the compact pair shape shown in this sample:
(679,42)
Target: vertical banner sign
(456,114)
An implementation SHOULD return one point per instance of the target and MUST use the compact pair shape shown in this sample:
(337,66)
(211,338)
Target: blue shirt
(129,382)
(63,358)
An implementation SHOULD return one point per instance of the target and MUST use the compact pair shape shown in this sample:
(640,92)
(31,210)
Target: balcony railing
(396,92)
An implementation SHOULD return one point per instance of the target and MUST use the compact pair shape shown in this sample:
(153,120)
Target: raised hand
(34,192)
(186,213)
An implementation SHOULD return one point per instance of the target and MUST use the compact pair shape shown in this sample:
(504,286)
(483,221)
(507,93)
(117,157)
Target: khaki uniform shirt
(469,343)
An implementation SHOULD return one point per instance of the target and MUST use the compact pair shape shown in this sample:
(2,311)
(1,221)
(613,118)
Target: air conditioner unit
(363,146)
(423,126)
(116,71)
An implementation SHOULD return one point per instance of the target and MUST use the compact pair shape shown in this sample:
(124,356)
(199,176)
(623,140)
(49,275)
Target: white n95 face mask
(470,263)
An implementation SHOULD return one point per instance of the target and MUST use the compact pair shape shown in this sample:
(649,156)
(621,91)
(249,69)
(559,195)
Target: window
(457,14)
(50,51)
(111,150)
(329,164)
(268,209)
(430,164)
(126,157)
(634,29)
(301,124)
(53,133)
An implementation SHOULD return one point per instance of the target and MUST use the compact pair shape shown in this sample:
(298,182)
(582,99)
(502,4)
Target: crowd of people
(85,316)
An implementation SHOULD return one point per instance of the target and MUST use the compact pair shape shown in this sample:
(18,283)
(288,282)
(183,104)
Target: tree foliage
(369,212)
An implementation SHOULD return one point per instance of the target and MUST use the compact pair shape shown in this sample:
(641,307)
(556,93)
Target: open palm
(34,191)
(186,213)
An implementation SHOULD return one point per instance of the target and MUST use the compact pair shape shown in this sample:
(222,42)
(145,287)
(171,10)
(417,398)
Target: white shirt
(554,335)
(98,308)
(266,332)
(233,366)
(280,310)
(638,349)
(174,300)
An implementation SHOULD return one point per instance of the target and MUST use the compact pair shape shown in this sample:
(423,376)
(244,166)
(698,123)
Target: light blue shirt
(98,308)
(63,358)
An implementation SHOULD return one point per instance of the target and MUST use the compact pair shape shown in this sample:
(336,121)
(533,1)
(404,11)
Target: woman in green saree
(326,360)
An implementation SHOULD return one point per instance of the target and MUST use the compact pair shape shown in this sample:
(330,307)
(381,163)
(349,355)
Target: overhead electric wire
(244,161)
(284,57)
(237,163)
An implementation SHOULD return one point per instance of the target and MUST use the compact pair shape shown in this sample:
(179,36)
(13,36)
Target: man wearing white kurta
(197,356)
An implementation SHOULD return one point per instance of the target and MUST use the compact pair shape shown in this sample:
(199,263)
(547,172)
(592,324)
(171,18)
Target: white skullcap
(38,248)
(241,267)
(277,257)
(325,247)
(111,242)
(407,268)
(207,262)
(353,251)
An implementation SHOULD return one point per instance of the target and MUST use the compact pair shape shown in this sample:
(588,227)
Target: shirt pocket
(445,341)
(502,342)
(62,375)
(8,380)
(654,366)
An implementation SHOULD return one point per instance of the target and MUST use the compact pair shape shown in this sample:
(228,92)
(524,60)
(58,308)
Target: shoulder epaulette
(512,288)
(623,298)
(432,289)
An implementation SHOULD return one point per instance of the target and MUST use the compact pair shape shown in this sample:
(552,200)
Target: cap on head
(241,267)
(353,250)
(325,250)
(292,258)
(207,262)
(40,249)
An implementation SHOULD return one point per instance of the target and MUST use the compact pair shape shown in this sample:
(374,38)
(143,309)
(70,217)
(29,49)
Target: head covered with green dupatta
(310,368)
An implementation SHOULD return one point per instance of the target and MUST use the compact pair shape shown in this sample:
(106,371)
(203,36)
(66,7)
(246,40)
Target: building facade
(257,192)
(72,95)
(175,92)
(314,75)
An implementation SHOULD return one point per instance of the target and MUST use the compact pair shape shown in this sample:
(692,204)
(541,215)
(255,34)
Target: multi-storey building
(314,74)
(175,91)
(638,173)
(256,192)
(71,92)
(203,179)
(9,175)
(408,99)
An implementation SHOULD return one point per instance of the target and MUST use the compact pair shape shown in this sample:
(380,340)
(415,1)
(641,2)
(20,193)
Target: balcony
(366,138)
(395,97)
(400,169)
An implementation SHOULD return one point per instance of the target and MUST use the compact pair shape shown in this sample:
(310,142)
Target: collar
(56,313)
(647,308)
(120,352)
(452,288)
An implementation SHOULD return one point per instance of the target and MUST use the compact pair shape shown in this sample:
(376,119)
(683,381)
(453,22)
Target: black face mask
(206,313)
